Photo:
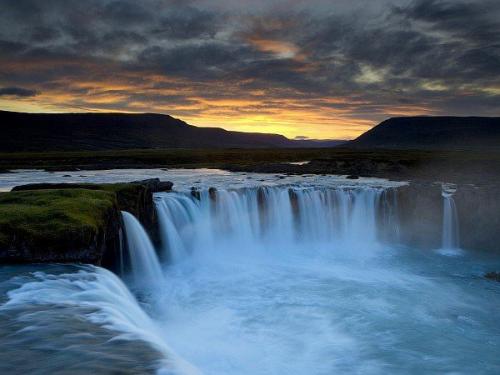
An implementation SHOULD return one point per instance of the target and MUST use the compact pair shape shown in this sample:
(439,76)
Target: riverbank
(453,166)
(414,210)
(72,223)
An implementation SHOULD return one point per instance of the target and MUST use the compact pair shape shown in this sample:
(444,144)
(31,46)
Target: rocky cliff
(418,212)
(81,223)
(74,226)
(76,223)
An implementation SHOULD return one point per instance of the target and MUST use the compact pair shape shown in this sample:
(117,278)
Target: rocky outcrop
(70,226)
(137,198)
(77,223)
(419,211)
(493,276)
(155,185)
(420,214)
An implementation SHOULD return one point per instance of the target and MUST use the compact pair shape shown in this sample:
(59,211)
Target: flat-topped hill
(119,131)
(432,133)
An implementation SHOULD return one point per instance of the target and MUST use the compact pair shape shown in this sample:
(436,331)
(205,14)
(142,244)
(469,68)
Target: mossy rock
(135,197)
(57,225)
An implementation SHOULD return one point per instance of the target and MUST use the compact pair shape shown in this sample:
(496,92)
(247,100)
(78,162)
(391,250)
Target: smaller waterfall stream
(144,263)
(450,239)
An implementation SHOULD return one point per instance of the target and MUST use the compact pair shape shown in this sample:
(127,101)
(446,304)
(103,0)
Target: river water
(270,274)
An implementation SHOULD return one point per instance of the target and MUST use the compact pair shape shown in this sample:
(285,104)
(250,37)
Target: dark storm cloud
(360,58)
(17,91)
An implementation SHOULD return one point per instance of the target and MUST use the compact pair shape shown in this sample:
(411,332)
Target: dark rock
(294,201)
(420,215)
(212,193)
(67,175)
(65,226)
(352,177)
(494,276)
(155,185)
(165,186)
(195,193)
(478,210)
(135,197)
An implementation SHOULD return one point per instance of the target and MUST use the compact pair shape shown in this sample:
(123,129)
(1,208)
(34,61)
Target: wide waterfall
(144,263)
(263,275)
(269,219)
(450,238)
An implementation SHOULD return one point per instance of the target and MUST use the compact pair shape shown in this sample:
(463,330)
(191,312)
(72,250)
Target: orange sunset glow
(318,71)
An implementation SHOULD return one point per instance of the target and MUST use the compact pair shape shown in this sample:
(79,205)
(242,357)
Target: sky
(324,69)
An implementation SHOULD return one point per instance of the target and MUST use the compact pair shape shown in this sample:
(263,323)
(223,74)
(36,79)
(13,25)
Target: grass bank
(50,224)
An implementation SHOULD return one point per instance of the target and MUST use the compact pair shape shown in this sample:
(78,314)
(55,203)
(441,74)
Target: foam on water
(288,275)
(144,263)
(95,295)
(296,280)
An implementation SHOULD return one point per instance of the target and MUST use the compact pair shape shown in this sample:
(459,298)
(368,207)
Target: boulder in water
(195,193)
(494,276)
(155,185)
(212,193)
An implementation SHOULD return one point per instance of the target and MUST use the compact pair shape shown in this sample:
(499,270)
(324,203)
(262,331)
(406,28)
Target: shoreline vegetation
(448,166)
(72,222)
(81,223)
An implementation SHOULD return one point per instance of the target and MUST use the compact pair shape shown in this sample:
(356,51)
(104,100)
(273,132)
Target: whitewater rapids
(286,275)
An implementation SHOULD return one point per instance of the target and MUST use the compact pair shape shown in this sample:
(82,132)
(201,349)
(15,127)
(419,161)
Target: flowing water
(451,236)
(265,275)
(144,264)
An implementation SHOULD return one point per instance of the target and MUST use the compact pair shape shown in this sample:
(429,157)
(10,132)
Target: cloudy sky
(312,68)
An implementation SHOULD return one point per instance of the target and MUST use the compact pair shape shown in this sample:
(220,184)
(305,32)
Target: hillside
(433,133)
(109,131)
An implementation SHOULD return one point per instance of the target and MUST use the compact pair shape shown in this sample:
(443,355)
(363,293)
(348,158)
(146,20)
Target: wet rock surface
(95,243)
(67,226)
(493,276)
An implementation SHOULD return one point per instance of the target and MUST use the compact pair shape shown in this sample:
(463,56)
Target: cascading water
(450,239)
(88,307)
(144,263)
(267,275)
(295,280)
(272,218)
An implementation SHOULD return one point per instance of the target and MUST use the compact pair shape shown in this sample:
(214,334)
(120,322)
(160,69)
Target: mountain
(114,131)
(443,133)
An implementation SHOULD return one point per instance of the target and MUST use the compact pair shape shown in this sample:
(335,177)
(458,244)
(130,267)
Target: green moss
(53,217)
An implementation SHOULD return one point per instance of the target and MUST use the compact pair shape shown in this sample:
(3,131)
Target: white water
(264,281)
(270,219)
(91,294)
(450,236)
(144,263)
(294,280)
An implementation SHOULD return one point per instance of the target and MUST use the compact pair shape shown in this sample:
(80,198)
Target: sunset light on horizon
(301,69)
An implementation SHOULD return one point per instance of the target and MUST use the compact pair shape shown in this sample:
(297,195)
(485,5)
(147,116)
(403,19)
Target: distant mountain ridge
(443,133)
(23,132)
(115,131)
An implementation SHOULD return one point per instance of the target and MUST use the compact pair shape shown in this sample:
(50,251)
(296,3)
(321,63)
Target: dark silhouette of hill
(433,133)
(115,131)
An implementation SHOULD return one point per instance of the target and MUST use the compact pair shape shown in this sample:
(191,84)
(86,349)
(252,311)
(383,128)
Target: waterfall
(144,263)
(450,239)
(268,219)
(92,294)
